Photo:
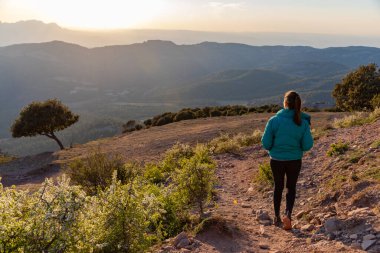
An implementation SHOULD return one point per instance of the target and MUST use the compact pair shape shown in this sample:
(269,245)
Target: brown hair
(293,101)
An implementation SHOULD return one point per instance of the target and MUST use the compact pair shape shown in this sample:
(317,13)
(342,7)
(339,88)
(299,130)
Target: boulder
(366,244)
(332,225)
(181,240)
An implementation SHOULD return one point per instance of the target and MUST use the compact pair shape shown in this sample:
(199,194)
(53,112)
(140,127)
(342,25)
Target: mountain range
(34,31)
(117,83)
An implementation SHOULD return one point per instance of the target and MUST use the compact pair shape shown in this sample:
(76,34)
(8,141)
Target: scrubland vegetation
(110,206)
(196,113)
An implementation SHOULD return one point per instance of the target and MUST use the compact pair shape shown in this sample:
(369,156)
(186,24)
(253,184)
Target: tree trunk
(52,136)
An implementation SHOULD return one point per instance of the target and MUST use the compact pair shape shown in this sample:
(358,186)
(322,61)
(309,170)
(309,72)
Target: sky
(349,17)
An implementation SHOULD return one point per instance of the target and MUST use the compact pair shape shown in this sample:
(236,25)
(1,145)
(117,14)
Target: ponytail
(297,110)
(293,101)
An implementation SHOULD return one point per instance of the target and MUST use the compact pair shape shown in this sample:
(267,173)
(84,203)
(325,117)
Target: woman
(287,136)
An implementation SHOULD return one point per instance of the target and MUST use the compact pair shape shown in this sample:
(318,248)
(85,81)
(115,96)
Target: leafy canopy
(43,118)
(359,89)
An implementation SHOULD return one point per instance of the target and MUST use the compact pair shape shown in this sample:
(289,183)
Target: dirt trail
(237,202)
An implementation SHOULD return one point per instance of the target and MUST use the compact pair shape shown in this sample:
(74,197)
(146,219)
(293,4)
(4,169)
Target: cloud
(223,5)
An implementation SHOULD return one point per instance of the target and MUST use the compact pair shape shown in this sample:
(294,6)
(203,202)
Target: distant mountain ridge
(34,31)
(143,79)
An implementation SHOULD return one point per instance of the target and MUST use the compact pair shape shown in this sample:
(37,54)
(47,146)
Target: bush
(338,148)
(215,113)
(357,89)
(184,115)
(195,179)
(148,122)
(44,221)
(174,156)
(224,144)
(264,175)
(95,172)
(118,218)
(131,126)
(134,210)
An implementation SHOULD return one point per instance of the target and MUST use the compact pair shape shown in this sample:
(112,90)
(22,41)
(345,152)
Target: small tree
(358,88)
(43,118)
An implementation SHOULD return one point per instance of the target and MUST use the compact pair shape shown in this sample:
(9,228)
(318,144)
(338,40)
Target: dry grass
(357,119)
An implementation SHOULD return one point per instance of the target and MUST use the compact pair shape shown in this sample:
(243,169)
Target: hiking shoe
(277,221)
(287,223)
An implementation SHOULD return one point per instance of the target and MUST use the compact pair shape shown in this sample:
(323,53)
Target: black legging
(279,169)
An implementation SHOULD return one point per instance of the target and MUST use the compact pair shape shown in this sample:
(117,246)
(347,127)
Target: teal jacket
(284,139)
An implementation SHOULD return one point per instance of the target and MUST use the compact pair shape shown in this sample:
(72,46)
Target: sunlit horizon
(288,16)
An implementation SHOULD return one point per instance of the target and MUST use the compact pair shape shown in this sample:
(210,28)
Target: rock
(263,246)
(181,240)
(367,243)
(245,205)
(307,227)
(265,222)
(369,237)
(331,225)
(183,243)
(356,245)
(250,189)
(331,237)
(262,215)
(354,236)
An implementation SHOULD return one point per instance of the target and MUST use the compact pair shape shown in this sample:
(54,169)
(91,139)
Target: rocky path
(326,219)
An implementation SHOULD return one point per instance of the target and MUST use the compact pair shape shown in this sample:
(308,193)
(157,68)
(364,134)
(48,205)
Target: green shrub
(215,113)
(95,171)
(196,178)
(264,175)
(148,122)
(118,218)
(358,88)
(44,221)
(184,115)
(224,144)
(154,174)
(338,148)
(174,156)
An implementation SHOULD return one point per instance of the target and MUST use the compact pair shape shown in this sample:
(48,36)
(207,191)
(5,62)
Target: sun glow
(93,14)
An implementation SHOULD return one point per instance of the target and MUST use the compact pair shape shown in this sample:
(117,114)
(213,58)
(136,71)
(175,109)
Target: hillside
(140,80)
(338,190)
